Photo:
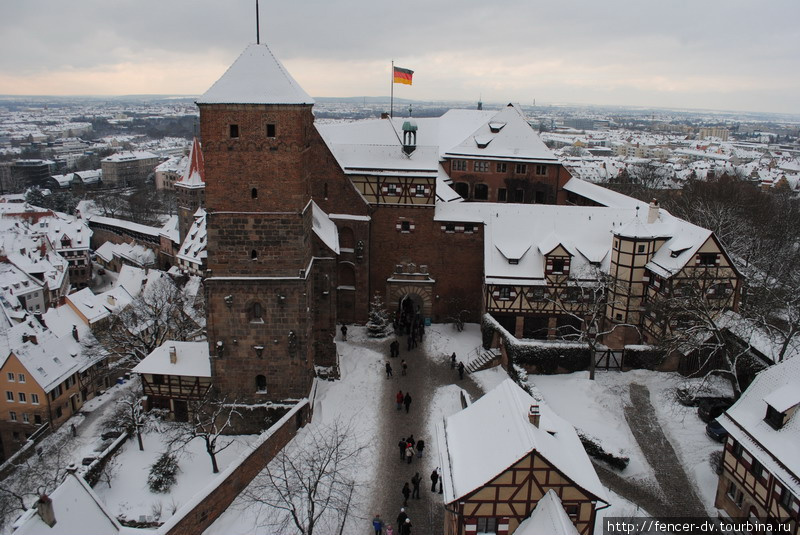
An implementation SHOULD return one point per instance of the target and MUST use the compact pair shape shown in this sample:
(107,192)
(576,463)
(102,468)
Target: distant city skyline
(722,55)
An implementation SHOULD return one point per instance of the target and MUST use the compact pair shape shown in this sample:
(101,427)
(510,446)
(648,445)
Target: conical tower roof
(256,77)
(195,175)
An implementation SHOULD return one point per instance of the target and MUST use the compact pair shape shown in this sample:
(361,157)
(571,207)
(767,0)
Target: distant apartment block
(128,168)
(32,172)
(713,131)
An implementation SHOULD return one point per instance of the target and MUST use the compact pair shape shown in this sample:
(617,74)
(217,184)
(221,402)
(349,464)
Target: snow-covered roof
(514,140)
(470,461)
(547,518)
(122,223)
(192,360)
(602,195)
(171,229)
(324,228)
(193,248)
(130,156)
(49,359)
(256,77)
(77,509)
(775,449)
(194,175)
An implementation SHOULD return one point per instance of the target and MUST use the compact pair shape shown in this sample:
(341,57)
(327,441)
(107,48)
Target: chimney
(533,415)
(75,333)
(652,212)
(111,300)
(44,506)
(32,339)
(173,355)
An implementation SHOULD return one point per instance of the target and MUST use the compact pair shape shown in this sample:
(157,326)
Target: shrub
(163,473)
(715,460)
(642,357)
(594,449)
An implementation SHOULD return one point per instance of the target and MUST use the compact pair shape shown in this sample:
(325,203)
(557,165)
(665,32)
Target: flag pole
(258,36)
(391,105)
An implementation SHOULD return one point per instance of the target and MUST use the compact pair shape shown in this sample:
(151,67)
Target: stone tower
(190,190)
(263,275)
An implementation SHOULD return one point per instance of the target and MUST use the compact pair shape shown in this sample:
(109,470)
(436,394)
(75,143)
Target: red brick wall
(195,519)
(550,185)
(455,261)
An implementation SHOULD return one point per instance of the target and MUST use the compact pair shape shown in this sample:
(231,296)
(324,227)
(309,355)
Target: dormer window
(513,261)
(781,405)
(557,266)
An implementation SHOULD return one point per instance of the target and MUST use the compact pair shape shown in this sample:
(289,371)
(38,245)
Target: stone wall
(197,515)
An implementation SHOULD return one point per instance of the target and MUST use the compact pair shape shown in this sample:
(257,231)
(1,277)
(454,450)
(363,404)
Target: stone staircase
(482,359)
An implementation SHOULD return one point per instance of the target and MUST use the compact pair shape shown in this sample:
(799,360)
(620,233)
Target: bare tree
(310,483)
(209,420)
(38,474)
(586,301)
(128,414)
(692,321)
(158,314)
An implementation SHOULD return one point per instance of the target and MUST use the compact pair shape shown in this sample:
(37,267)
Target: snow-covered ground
(128,495)
(596,407)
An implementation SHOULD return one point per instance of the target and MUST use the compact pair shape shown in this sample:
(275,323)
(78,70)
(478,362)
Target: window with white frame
(10,377)
(35,399)
(541,170)
(22,397)
(481,167)
(459,165)
(502,167)
(21,377)
(10,396)
(12,416)
(26,418)
(487,525)
(521,169)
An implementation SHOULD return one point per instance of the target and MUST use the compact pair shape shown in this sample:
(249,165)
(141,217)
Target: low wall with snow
(206,506)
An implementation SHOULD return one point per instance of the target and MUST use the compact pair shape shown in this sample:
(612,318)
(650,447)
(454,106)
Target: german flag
(402,76)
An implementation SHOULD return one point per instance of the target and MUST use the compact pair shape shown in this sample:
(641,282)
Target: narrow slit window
(234,130)
(253,255)
(254,193)
(270,130)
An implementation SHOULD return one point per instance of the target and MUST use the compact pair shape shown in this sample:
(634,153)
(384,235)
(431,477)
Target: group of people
(404,524)
(460,366)
(403,399)
(409,448)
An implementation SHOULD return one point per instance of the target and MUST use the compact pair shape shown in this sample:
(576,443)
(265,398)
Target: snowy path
(681,499)
(430,382)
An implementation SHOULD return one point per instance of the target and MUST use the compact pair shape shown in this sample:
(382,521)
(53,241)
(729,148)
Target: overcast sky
(716,54)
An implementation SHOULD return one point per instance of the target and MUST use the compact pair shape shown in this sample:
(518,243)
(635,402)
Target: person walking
(460,370)
(404,367)
(434,479)
(420,447)
(402,445)
(405,529)
(415,481)
(388,371)
(453,361)
(394,347)
(344,332)
(409,453)
(411,441)
(407,401)
(399,399)
(401,518)
(406,494)
(377,524)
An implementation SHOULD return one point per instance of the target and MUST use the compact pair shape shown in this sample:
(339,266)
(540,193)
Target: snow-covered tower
(190,190)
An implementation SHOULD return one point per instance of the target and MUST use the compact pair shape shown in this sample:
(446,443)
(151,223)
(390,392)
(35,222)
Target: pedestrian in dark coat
(344,332)
(401,518)
(453,361)
(411,441)
(415,481)
(406,494)
(405,529)
(420,447)
(407,401)
(402,445)
(434,479)
(395,348)
(388,371)
(399,399)
(405,367)
(460,370)
(377,524)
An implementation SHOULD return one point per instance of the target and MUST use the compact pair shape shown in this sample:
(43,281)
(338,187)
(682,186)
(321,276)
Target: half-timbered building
(493,480)
(175,374)
(760,477)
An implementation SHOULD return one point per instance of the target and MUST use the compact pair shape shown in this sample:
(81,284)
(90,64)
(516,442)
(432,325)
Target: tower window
(253,255)
(256,313)
(254,193)
(234,130)
(261,383)
(270,130)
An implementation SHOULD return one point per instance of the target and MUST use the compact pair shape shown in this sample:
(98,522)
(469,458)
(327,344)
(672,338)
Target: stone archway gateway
(421,293)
